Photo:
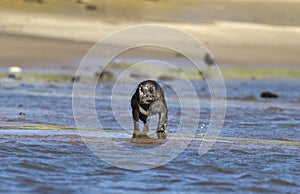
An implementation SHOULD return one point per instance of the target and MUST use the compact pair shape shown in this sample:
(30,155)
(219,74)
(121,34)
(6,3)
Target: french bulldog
(148,100)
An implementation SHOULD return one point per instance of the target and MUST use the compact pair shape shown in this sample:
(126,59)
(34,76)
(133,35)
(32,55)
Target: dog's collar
(142,110)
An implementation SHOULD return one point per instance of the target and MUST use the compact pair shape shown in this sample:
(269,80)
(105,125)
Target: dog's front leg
(162,122)
(162,132)
(160,108)
(136,125)
(146,126)
(135,115)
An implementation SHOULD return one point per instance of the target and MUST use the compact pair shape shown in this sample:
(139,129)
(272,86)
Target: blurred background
(55,33)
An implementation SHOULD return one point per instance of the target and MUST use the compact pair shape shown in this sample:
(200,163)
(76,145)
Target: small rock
(139,76)
(22,113)
(179,54)
(80,1)
(91,7)
(209,60)
(14,72)
(105,76)
(75,79)
(268,95)
(166,78)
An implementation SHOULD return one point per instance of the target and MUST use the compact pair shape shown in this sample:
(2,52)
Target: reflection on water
(59,161)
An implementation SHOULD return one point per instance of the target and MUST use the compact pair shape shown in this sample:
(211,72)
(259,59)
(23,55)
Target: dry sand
(41,40)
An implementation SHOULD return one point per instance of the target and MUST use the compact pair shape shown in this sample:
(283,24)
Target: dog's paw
(162,134)
(140,135)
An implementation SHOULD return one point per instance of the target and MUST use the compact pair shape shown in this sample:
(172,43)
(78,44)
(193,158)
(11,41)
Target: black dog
(148,100)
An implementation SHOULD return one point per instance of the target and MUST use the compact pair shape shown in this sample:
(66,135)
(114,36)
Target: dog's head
(148,92)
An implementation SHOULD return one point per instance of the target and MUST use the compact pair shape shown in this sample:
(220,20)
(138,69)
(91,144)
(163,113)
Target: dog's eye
(151,90)
(143,89)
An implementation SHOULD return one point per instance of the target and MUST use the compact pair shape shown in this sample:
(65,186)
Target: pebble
(268,95)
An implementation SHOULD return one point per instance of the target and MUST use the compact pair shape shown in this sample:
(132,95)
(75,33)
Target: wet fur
(148,100)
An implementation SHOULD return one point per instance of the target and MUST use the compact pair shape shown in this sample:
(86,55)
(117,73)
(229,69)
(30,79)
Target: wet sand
(41,52)
(28,51)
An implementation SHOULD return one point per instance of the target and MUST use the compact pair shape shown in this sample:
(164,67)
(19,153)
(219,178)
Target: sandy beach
(37,39)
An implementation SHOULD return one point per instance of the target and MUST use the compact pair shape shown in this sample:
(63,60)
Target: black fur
(148,100)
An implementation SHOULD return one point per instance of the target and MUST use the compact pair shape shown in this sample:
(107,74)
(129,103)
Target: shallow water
(58,160)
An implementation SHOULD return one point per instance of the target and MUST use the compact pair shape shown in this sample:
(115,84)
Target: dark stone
(139,75)
(105,76)
(209,60)
(75,79)
(166,78)
(268,95)
(14,76)
(11,75)
(179,54)
(91,7)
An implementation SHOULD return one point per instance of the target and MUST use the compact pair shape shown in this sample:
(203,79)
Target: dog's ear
(140,89)
(154,93)
(157,93)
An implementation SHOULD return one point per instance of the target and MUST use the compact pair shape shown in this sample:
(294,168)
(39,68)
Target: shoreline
(33,75)
(47,41)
